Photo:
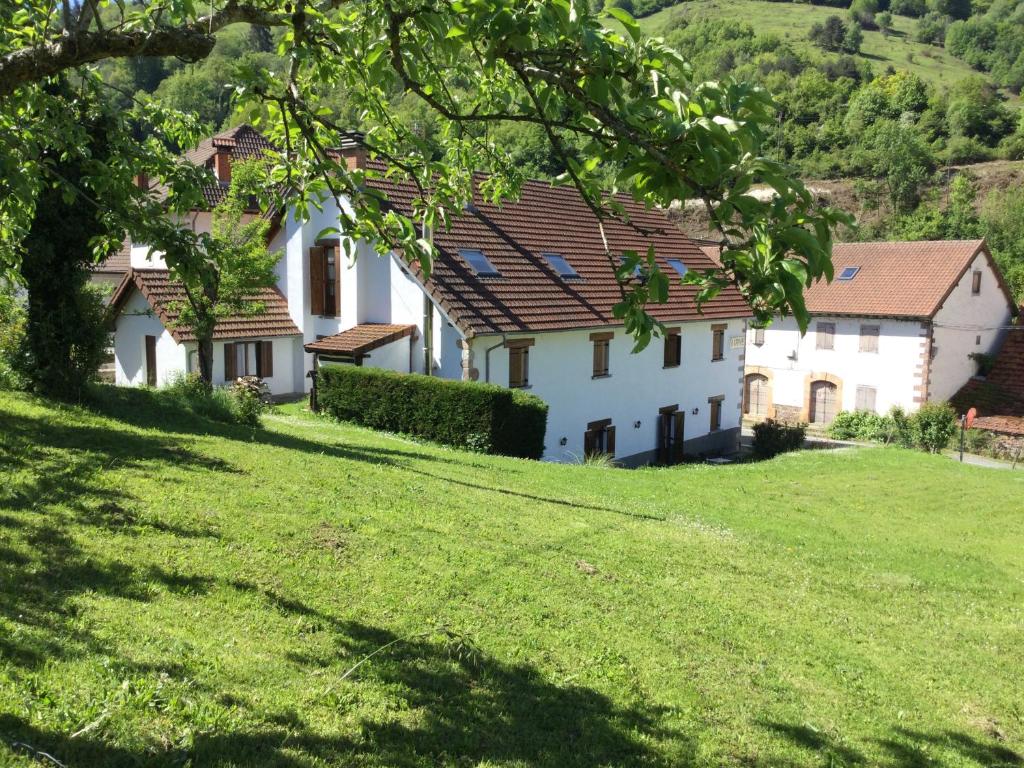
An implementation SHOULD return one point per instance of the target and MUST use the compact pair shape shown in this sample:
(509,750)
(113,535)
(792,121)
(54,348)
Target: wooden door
(670,436)
(757,395)
(823,402)
(151,361)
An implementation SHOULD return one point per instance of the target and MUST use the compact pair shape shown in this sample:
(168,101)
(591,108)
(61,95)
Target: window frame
(519,348)
(718,341)
(602,352)
(489,272)
(820,334)
(876,336)
(715,413)
(672,353)
(571,274)
(976,283)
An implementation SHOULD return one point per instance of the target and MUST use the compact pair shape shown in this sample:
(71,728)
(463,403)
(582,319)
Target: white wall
(393,357)
(967,323)
(135,322)
(285,350)
(893,370)
(561,368)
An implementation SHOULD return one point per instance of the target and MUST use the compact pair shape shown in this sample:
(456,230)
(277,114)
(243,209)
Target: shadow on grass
(905,748)
(446,703)
(53,485)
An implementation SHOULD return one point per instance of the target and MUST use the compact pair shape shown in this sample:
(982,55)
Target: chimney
(353,150)
(222,165)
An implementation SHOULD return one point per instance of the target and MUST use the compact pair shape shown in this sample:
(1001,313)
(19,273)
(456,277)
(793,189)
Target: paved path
(983,461)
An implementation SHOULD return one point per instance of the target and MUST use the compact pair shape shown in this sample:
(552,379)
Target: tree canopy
(603,95)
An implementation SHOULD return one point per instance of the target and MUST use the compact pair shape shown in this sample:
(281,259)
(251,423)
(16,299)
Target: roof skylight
(562,267)
(678,266)
(478,262)
(848,273)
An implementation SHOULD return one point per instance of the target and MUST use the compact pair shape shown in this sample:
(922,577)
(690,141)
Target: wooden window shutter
(265,359)
(230,373)
(664,437)
(515,367)
(869,338)
(609,443)
(317,270)
(589,442)
(826,336)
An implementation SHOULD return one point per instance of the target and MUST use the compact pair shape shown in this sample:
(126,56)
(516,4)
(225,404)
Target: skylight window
(562,267)
(678,266)
(849,273)
(478,262)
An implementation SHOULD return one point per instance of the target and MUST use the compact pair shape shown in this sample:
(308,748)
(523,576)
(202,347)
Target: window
(519,362)
(324,277)
(718,341)
(869,338)
(562,267)
(759,337)
(866,399)
(599,438)
(848,273)
(976,283)
(248,358)
(602,343)
(826,336)
(673,348)
(151,361)
(678,266)
(478,262)
(715,404)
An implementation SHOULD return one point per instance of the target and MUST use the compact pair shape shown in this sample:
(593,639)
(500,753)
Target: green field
(180,593)
(792,22)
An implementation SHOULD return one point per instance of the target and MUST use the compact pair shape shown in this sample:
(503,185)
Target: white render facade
(872,362)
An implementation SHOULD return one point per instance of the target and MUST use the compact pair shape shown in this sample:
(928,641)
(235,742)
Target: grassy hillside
(317,594)
(792,22)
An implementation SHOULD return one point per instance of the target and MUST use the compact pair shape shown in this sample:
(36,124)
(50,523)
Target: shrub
(246,402)
(463,414)
(12,340)
(894,427)
(933,426)
(845,425)
(190,393)
(774,437)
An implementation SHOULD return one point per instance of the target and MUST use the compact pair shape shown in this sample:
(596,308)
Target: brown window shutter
(610,441)
(266,359)
(229,363)
(664,436)
(589,442)
(515,367)
(317,269)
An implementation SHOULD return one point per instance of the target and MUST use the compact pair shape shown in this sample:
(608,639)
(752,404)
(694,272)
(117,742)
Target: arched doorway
(824,402)
(756,395)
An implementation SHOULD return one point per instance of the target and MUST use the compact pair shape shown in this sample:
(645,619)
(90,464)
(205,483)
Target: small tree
(852,39)
(830,35)
(884,22)
(231,265)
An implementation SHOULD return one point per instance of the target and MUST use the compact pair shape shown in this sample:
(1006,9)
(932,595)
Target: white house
(520,295)
(894,328)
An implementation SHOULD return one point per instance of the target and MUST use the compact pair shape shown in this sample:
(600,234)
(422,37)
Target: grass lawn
(792,22)
(174,592)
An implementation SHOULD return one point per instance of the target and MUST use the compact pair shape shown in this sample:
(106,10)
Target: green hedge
(481,417)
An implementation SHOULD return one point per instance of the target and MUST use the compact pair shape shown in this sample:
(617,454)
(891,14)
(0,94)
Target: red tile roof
(1006,425)
(166,295)
(529,295)
(359,340)
(119,262)
(243,142)
(894,279)
(1001,393)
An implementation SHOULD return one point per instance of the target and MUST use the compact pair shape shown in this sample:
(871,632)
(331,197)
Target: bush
(933,426)
(464,414)
(246,401)
(12,340)
(868,426)
(190,393)
(774,437)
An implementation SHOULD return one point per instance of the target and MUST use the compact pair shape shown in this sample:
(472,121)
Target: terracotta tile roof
(909,279)
(1001,393)
(1006,425)
(165,295)
(529,295)
(119,262)
(243,142)
(894,279)
(359,340)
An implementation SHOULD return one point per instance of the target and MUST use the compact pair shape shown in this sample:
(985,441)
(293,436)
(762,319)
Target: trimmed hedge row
(481,417)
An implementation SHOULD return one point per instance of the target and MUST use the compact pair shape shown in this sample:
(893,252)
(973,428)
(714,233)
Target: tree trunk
(205,346)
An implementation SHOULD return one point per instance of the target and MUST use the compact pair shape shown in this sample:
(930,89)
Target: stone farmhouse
(896,327)
(521,295)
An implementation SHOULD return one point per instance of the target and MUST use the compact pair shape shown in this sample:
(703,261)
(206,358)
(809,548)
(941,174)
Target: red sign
(970,416)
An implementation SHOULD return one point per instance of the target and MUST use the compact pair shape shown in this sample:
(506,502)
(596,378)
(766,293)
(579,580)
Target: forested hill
(889,95)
